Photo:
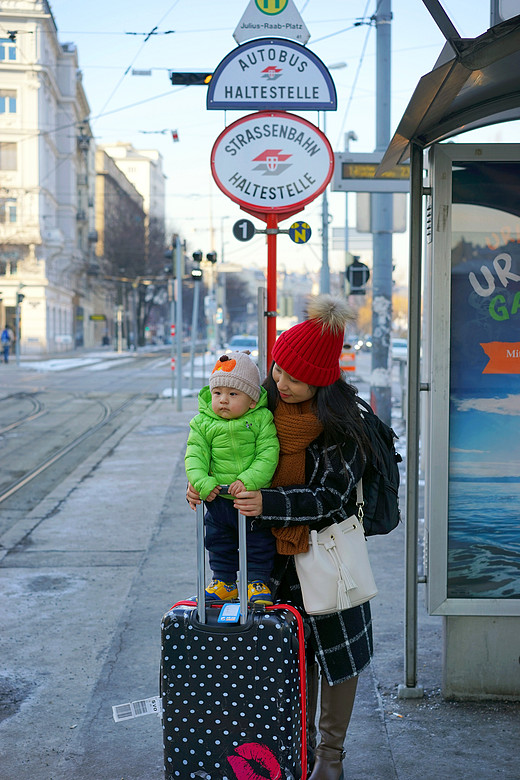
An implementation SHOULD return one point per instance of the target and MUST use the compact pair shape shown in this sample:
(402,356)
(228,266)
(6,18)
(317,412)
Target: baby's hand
(214,493)
(236,487)
(192,497)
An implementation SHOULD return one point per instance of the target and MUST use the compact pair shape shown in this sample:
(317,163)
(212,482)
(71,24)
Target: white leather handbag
(335,573)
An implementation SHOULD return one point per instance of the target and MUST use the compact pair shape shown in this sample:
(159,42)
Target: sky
(112,40)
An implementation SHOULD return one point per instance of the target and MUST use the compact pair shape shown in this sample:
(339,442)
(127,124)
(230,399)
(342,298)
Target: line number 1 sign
(244,230)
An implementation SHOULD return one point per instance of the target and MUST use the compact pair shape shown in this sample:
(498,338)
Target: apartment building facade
(47,227)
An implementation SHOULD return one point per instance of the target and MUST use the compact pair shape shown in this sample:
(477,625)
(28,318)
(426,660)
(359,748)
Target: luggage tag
(230,613)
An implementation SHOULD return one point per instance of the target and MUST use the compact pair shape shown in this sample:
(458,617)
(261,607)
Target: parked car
(243,343)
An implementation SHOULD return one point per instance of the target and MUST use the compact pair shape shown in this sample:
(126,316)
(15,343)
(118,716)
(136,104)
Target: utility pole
(325,217)
(349,136)
(19,299)
(178,250)
(325,271)
(382,219)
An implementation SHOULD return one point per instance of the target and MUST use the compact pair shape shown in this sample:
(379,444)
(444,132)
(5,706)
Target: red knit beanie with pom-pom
(310,351)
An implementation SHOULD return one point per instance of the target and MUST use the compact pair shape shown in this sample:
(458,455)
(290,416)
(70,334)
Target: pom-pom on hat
(236,370)
(310,351)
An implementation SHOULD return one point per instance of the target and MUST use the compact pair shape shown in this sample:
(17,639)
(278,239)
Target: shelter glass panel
(484,407)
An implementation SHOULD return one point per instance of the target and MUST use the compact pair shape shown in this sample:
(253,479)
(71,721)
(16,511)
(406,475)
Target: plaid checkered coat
(342,641)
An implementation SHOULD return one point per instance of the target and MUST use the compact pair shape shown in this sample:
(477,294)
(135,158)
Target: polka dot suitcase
(233,694)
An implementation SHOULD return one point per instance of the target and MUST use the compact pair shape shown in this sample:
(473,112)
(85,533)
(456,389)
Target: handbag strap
(360,501)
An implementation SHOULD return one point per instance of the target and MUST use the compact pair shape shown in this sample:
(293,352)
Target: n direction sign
(300,232)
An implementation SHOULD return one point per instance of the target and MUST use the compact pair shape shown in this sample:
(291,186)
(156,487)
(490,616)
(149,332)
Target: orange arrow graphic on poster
(504,357)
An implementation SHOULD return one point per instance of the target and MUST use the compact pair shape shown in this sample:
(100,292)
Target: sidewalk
(109,553)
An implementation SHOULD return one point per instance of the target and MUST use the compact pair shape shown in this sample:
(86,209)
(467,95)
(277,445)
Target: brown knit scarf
(297,426)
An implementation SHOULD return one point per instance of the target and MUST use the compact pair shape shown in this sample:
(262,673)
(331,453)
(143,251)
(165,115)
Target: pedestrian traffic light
(19,297)
(357,274)
(212,257)
(190,79)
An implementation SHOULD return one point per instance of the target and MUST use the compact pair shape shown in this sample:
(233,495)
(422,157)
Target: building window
(7,156)
(7,101)
(7,211)
(7,49)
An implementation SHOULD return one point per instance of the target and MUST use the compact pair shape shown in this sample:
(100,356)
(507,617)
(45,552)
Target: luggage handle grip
(201,566)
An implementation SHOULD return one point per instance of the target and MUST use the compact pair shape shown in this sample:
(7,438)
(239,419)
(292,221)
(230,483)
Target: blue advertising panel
(481,536)
(484,491)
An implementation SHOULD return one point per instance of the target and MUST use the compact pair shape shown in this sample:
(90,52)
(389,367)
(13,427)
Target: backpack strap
(359,500)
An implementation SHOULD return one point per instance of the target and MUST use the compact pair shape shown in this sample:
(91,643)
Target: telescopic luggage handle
(201,566)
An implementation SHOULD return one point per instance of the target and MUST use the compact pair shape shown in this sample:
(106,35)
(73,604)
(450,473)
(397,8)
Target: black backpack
(381,476)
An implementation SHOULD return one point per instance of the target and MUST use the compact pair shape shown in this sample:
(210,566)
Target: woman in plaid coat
(322,456)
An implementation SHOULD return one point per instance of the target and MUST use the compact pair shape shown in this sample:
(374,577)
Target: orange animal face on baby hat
(224,365)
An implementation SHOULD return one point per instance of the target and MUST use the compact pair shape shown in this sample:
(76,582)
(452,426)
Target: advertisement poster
(484,438)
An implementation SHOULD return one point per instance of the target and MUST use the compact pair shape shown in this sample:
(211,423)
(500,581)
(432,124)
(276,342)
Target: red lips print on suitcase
(251,758)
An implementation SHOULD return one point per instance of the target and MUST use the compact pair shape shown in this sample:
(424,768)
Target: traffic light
(190,79)
(212,257)
(19,297)
(196,274)
(357,274)
(197,256)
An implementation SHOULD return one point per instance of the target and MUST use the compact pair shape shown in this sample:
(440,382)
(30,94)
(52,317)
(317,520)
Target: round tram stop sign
(272,162)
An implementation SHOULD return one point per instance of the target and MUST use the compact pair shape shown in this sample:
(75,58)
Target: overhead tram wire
(152,31)
(37,133)
(91,119)
(358,70)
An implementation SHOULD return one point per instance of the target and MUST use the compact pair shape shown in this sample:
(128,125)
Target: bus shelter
(469,379)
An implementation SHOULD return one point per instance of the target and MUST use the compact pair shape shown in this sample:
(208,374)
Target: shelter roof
(475,83)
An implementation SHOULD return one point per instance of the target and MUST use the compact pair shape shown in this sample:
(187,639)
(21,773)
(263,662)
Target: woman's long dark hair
(336,408)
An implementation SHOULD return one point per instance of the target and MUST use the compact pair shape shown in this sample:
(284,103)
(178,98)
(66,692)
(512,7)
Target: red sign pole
(235,167)
(272,229)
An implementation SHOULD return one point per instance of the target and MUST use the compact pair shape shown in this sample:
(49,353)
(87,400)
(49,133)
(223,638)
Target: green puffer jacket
(220,451)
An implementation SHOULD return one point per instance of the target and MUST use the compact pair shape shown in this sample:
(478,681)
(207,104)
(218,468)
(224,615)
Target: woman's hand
(249,502)
(192,497)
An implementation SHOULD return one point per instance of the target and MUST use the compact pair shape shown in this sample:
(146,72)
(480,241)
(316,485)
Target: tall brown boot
(312,706)
(337,702)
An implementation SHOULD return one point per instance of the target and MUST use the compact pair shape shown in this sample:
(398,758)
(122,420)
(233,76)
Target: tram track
(108,416)
(38,409)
